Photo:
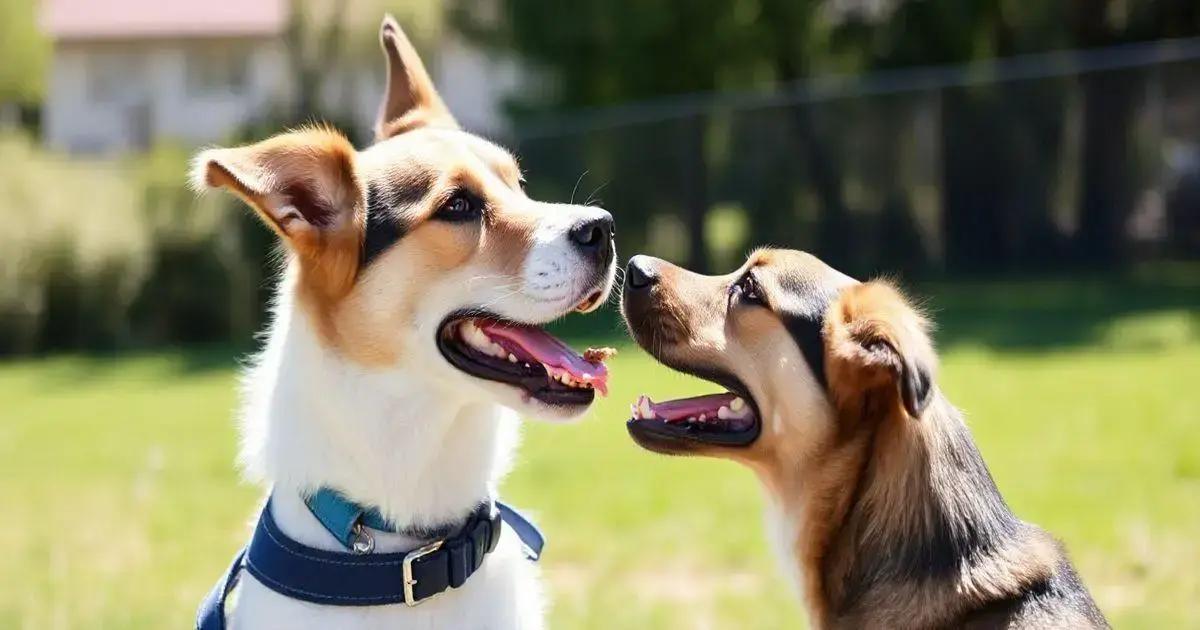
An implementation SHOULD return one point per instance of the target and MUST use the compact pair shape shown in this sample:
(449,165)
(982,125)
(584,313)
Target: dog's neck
(902,520)
(391,439)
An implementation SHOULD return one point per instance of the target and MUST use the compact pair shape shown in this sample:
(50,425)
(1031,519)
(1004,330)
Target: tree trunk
(1106,198)
(693,180)
(834,235)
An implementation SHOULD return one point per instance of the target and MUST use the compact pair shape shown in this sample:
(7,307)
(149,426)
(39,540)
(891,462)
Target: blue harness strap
(211,615)
(531,537)
(349,579)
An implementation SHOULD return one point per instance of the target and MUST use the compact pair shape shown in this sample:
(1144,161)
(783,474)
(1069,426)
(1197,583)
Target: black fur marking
(915,388)
(386,202)
(804,318)
(966,518)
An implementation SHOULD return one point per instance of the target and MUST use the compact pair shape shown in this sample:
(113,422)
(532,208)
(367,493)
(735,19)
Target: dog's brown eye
(461,206)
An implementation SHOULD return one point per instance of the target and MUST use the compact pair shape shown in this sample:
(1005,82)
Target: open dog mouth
(526,357)
(728,419)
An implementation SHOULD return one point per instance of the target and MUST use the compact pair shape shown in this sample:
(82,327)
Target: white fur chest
(782,527)
(396,441)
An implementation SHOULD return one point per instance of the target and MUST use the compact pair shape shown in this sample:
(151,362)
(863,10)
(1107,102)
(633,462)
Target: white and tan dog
(404,341)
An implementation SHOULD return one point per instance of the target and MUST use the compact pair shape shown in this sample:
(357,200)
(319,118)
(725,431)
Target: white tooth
(633,411)
(479,344)
(528,366)
(512,358)
(737,404)
(477,339)
(723,413)
(498,350)
(644,407)
(703,417)
(691,418)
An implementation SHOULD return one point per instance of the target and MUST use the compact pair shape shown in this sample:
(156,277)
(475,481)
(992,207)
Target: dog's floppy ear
(304,185)
(409,98)
(878,353)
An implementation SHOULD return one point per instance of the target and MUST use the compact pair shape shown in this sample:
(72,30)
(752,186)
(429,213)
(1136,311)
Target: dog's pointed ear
(303,185)
(410,97)
(878,353)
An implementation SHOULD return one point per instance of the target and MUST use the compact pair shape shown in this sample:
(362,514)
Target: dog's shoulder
(1059,601)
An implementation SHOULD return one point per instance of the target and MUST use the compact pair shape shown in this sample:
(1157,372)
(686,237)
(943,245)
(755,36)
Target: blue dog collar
(362,578)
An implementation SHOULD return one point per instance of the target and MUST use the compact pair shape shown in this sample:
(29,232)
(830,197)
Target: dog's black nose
(640,274)
(594,236)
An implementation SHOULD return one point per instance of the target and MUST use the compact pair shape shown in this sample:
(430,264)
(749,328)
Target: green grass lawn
(121,505)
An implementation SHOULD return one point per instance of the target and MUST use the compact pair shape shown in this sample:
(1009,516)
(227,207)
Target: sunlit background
(1032,169)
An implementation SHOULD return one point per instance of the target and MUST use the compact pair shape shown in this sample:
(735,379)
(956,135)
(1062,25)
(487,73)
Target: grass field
(121,504)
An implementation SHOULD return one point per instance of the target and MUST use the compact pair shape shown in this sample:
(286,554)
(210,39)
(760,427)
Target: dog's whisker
(592,196)
(576,188)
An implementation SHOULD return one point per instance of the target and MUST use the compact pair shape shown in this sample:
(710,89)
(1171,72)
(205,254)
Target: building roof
(143,19)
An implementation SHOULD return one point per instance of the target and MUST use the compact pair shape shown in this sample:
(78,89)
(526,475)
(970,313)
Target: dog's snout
(593,236)
(641,273)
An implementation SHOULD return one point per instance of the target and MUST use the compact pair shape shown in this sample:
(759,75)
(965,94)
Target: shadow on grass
(1136,313)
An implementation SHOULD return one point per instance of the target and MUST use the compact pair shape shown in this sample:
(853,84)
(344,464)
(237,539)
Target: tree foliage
(1001,145)
(25,52)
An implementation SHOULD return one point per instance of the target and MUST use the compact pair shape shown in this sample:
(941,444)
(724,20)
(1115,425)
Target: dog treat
(599,355)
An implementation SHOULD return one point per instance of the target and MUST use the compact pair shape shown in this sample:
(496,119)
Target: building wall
(114,97)
(108,97)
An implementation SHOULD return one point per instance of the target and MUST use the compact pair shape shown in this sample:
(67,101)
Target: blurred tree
(25,52)
(606,52)
(791,41)
(314,46)
(1110,106)
(1001,142)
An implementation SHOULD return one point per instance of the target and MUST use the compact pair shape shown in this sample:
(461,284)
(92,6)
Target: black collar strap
(344,579)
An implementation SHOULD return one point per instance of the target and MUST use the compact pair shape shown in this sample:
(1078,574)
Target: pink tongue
(537,344)
(684,408)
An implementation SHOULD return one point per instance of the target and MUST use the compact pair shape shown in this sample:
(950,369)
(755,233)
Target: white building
(128,72)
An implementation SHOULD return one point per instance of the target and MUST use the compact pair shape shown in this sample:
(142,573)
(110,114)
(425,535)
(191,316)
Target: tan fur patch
(303,185)
(872,337)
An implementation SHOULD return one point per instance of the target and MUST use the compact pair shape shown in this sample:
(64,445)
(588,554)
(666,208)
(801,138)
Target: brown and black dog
(879,502)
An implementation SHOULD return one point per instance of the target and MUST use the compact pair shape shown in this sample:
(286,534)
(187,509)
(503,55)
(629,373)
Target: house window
(111,77)
(216,72)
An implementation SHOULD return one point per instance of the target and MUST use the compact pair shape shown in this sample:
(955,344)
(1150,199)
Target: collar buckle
(407,566)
